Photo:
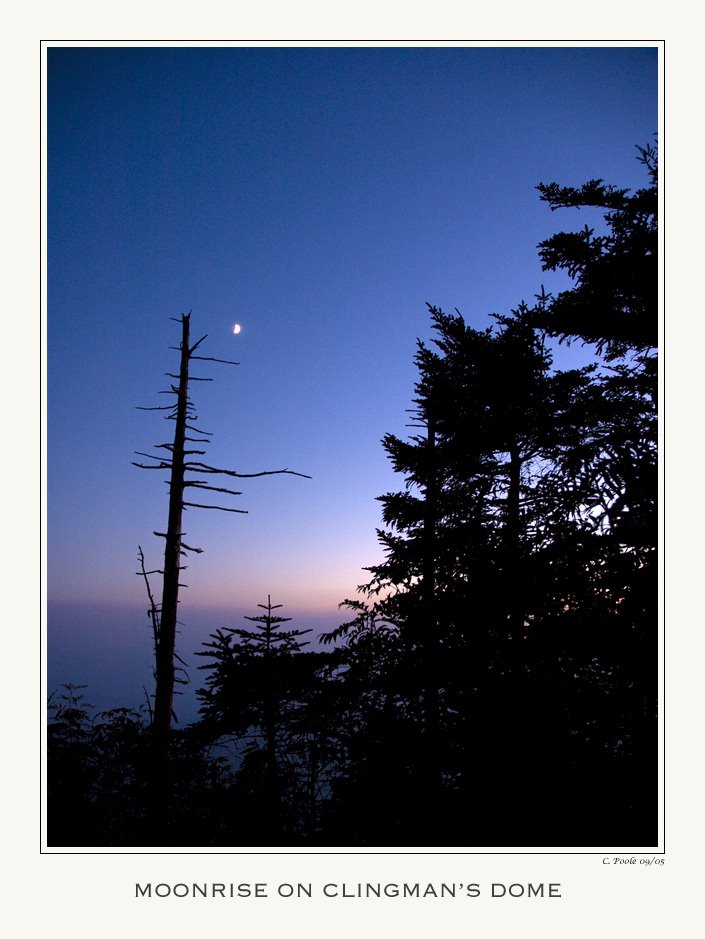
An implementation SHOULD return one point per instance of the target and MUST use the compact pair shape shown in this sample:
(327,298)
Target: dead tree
(180,462)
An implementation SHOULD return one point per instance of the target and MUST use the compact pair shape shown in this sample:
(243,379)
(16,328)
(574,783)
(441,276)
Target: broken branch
(203,467)
(220,508)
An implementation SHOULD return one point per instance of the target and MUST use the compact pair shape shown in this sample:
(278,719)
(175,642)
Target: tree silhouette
(180,463)
(100,785)
(614,302)
(256,689)
(518,583)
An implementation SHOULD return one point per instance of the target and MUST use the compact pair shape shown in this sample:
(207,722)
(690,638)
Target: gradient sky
(318,197)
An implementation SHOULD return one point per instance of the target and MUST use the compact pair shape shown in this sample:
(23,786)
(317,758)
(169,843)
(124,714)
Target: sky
(318,197)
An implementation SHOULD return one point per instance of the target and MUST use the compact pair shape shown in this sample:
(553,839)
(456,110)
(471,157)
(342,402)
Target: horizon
(108,648)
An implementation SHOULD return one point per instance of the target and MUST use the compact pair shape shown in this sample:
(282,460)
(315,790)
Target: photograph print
(352,534)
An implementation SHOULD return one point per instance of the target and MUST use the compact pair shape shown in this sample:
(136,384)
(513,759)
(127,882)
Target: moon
(236,328)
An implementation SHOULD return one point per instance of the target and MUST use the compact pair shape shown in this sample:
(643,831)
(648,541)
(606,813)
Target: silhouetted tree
(379,731)
(99,771)
(71,768)
(180,463)
(454,581)
(518,583)
(614,302)
(267,693)
(613,469)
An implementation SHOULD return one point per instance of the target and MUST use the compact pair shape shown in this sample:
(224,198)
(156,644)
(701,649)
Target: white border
(80,896)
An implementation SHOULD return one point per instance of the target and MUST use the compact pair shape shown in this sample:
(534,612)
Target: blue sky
(319,197)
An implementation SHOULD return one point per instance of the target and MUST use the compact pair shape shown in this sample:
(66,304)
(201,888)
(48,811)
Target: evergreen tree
(614,300)
(256,691)
(519,583)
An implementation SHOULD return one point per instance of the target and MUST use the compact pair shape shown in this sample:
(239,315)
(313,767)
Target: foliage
(99,775)
(270,697)
(614,302)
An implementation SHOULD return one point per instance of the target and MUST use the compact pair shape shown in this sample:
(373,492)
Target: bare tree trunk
(164,696)
(180,463)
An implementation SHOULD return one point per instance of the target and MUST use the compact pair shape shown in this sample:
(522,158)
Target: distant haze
(109,649)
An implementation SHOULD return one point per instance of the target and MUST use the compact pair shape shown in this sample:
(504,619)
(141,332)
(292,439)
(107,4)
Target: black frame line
(366,43)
